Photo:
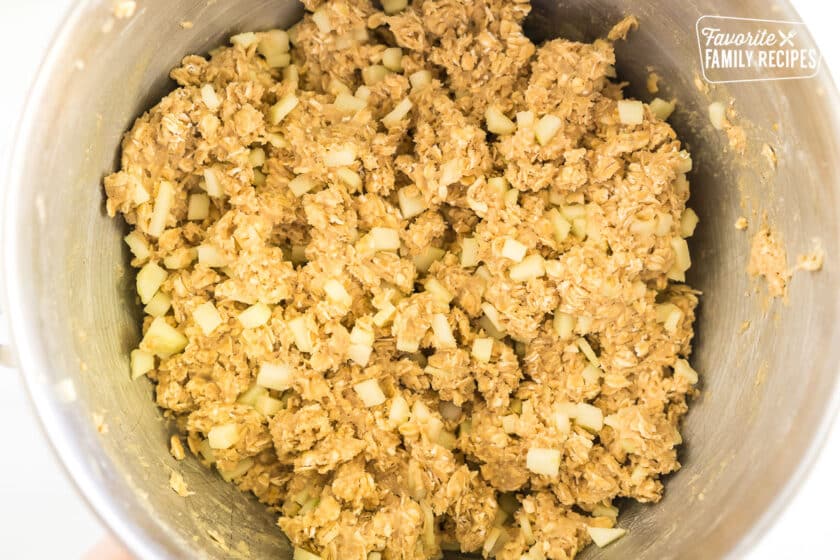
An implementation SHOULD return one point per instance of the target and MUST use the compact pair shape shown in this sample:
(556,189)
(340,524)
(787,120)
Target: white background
(40,514)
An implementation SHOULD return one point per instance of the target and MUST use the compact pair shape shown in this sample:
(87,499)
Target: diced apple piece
(224,436)
(498,186)
(438,291)
(370,392)
(255,316)
(443,332)
(664,223)
(717,114)
(543,461)
(603,536)
(149,280)
(140,195)
(670,316)
(322,20)
(420,79)
(682,259)
(497,122)
(385,239)
(392,7)
(482,349)
(360,353)
(279,111)
(162,339)
(340,157)
(208,95)
(279,377)
(362,335)
(278,59)
(411,202)
(198,207)
(301,185)
(589,417)
(141,363)
(510,423)
(244,40)
(349,178)
(562,422)
(337,87)
(554,268)
(363,92)
(392,59)
(337,293)
(347,103)
(384,315)
(407,345)
(250,396)
(684,370)
(291,74)
(579,227)
(399,412)
(163,204)
(138,245)
(451,172)
(158,305)
(424,260)
(662,109)
(573,211)
(492,315)
(302,334)
(514,250)
(631,112)
(398,113)
(525,119)
(207,317)
(688,222)
(469,252)
(274,46)
(511,197)
(685,162)
(210,257)
(212,184)
(546,128)
(561,225)
(531,267)
(374,74)
(268,405)
(564,325)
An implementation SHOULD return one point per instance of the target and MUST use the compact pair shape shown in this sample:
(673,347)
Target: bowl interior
(767,391)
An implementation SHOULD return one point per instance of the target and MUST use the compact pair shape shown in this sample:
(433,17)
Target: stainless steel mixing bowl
(768,394)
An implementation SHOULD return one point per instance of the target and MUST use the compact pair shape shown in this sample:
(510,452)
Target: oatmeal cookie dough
(414,281)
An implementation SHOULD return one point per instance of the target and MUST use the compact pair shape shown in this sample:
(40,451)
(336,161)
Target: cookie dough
(414,281)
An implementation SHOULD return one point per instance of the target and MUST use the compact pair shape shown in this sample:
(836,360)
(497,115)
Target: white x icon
(787,39)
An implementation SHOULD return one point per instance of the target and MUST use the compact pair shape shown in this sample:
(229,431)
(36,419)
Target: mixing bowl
(768,394)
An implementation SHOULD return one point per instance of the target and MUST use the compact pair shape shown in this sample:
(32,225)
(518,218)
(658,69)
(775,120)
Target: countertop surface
(43,517)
